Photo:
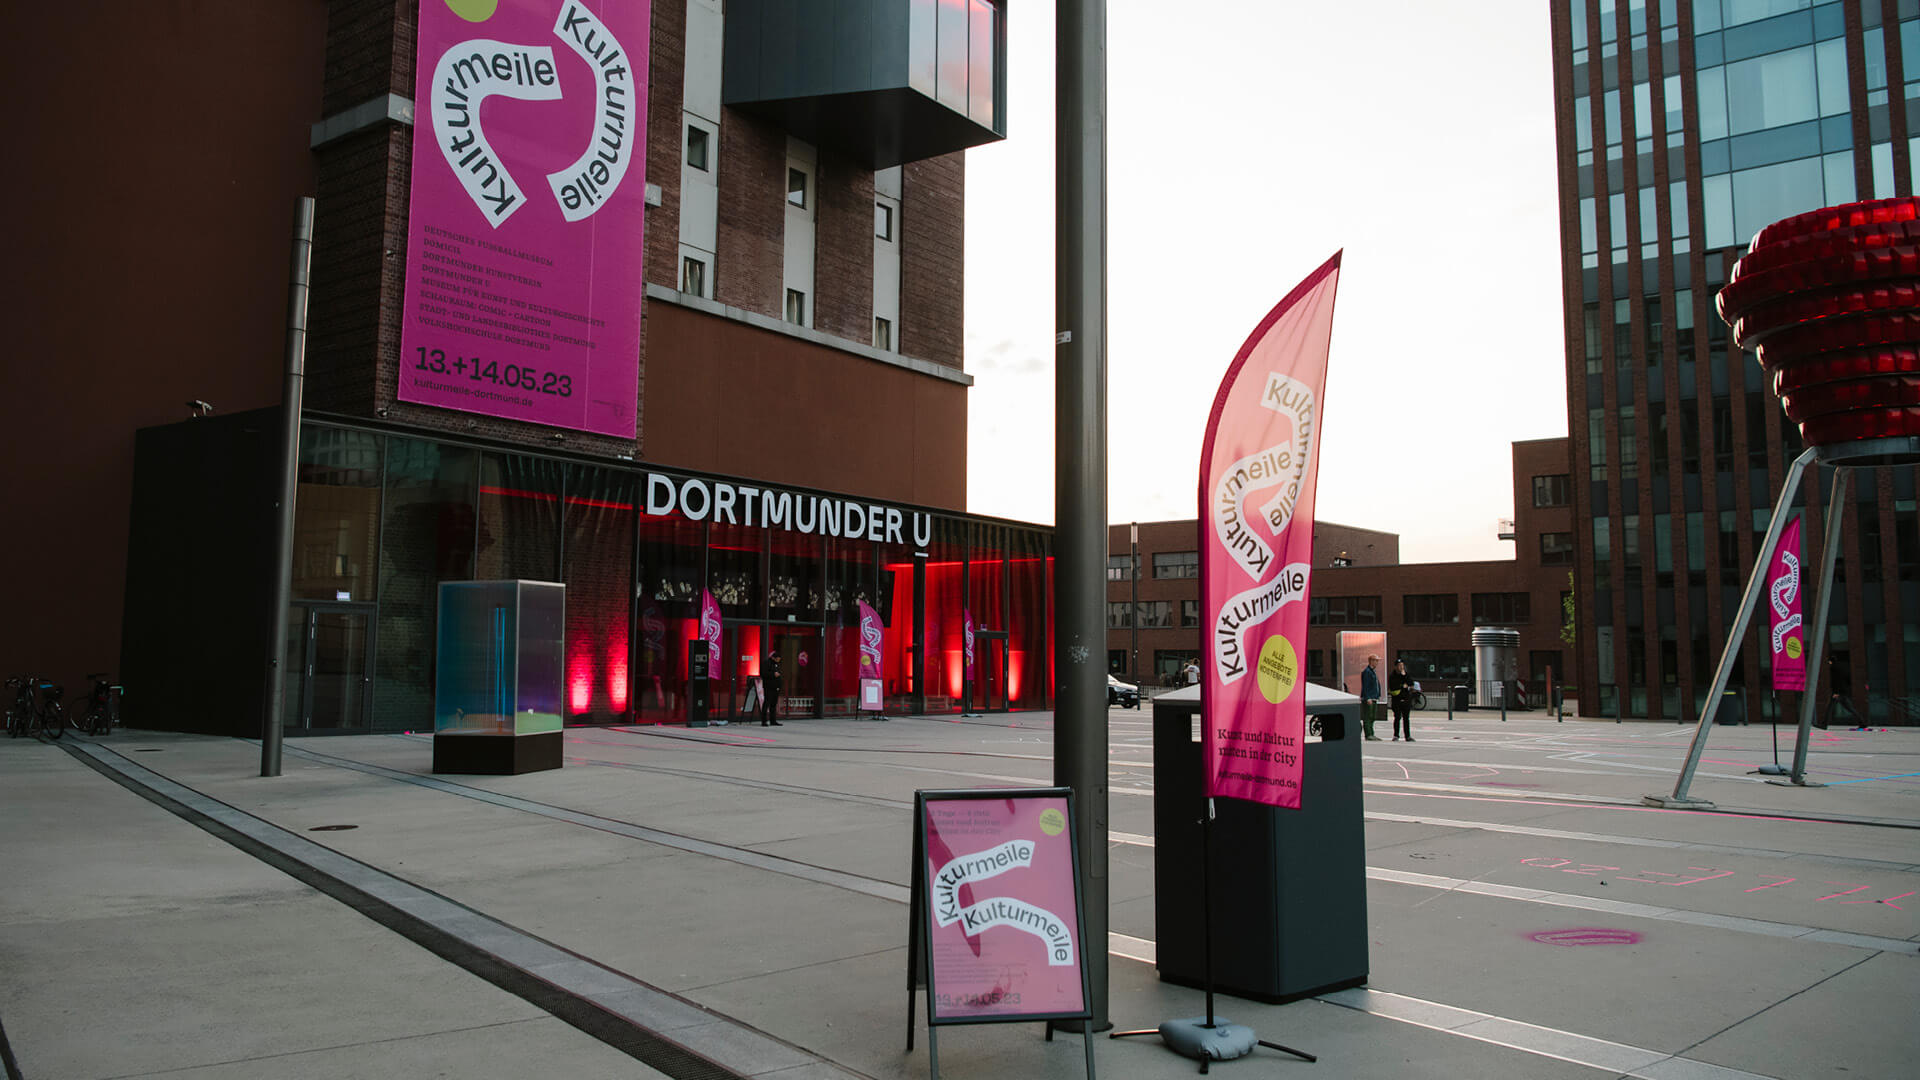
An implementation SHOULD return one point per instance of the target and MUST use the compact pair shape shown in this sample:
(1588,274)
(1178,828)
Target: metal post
(1756,582)
(1133,619)
(1080,448)
(1836,514)
(273,722)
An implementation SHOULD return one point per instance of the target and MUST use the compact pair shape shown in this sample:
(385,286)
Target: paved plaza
(731,902)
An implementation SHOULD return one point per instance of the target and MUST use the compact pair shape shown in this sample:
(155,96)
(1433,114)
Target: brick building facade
(853,400)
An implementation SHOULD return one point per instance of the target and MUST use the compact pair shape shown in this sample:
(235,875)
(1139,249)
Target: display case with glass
(500,674)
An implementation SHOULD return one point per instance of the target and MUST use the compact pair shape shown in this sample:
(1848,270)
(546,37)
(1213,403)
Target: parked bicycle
(36,708)
(103,706)
(50,719)
(20,709)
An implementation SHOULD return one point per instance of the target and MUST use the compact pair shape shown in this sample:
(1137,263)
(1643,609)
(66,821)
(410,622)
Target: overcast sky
(1247,142)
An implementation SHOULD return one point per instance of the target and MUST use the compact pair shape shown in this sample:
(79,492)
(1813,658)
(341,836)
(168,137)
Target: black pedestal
(1289,886)
(497,755)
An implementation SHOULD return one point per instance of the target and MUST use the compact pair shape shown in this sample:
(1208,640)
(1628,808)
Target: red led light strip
(1829,398)
(1821,245)
(1864,424)
(1839,367)
(1854,269)
(1851,215)
(1764,320)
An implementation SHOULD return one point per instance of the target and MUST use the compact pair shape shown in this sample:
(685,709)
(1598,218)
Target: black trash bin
(1289,886)
(1732,708)
(1460,698)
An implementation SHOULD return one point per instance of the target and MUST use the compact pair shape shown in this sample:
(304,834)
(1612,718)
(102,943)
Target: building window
(882,221)
(1116,661)
(796,307)
(1155,613)
(1176,564)
(1500,608)
(883,333)
(693,276)
(1189,613)
(1431,609)
(1119,567)
(1343,611)
(797,187)
(1441,665)
(1169,663)
(1554,490)
(696,148)
(1119,615)
(1556,549)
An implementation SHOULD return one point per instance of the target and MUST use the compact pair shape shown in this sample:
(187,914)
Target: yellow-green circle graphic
(1279,669)
(1793,648)
(473,10)
(1052,822)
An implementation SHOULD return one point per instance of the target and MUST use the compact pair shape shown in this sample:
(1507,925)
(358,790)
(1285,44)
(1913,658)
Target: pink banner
(710,627)
(1787,639)
(524,253)
(1003,922)
(871,637)
(966,645)
(1257,483)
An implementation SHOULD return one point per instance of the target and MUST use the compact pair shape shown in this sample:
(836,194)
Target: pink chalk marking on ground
(1586,935)
(1774,885)
(1830,896)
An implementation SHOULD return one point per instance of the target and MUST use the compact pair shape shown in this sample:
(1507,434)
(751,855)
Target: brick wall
(843,250)
(932,259)
(753,222)
(666,101)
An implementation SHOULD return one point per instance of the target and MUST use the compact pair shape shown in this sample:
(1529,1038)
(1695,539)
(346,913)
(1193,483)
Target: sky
(1247,142)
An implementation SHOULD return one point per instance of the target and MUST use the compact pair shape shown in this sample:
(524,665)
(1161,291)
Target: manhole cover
(332,828)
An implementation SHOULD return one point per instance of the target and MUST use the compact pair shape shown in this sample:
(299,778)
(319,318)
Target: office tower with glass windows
(1684,126)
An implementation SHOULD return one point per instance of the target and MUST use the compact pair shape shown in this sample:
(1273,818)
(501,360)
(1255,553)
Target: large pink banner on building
(1787,638)
(524,234)
(1257,481)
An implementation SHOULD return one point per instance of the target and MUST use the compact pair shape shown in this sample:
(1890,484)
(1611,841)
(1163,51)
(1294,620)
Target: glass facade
(1685,128)
(383,519)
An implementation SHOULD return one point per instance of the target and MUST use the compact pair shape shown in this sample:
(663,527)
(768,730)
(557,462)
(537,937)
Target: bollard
(1449,702)
(1503,704)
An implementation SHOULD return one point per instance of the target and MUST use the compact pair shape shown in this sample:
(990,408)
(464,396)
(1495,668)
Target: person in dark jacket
(1369,696)
(770,692)
(1400,696)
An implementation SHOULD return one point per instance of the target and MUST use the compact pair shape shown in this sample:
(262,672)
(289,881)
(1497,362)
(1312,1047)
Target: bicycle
(1417,699)
(103,706)
(20,711)
(50,719)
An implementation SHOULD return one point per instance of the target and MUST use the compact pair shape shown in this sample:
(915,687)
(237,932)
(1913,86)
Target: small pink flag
(1788,639)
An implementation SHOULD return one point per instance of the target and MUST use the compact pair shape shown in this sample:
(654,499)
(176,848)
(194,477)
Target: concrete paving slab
(1623,987)
(1857,1022)
(508,1051)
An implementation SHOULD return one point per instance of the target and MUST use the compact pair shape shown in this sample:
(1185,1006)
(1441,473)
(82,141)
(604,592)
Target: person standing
(1190,673)
(1369,696)
(770,692)
(1400,697)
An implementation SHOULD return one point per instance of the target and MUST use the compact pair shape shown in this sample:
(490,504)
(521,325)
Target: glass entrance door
(802,665)
(990,671)
(329,668)
(735,670)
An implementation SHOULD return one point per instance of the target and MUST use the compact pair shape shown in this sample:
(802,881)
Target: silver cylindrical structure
(1496,662)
